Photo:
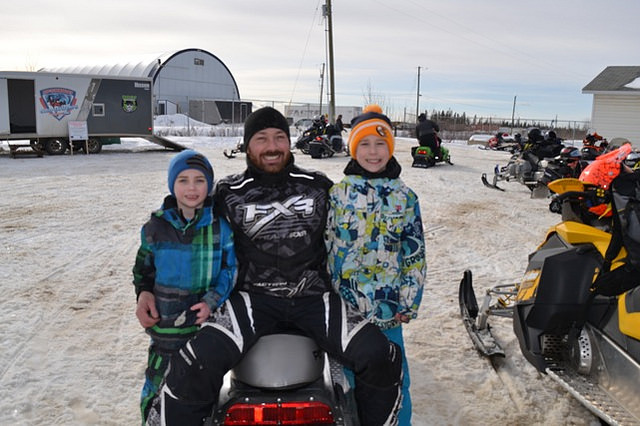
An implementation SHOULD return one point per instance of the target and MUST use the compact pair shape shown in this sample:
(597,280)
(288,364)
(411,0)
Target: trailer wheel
(95,146)
(55,146)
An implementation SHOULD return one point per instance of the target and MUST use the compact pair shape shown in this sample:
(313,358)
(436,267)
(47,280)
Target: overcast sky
(475,56)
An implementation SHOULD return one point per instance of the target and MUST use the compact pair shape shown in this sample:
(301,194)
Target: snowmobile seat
(281,361)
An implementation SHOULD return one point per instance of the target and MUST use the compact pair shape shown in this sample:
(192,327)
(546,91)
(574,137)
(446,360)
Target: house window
(98,110)
(198,61)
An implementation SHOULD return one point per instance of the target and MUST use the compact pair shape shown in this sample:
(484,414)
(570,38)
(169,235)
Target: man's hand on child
(146,309)
(203,312)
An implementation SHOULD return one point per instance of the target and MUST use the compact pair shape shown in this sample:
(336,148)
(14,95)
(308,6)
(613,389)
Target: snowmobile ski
(481,336)
(489,184)
(229,155)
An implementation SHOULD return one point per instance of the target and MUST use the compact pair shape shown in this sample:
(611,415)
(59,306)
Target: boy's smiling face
(190,190)
(372,153)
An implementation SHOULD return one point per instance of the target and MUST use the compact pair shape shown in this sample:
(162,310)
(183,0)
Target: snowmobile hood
(560,186)
(578,233)
(604,169)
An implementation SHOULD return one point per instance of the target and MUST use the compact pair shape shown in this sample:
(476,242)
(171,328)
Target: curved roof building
(189,81)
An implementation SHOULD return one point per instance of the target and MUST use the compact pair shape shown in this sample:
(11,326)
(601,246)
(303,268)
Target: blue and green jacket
(182,263)
(376,243)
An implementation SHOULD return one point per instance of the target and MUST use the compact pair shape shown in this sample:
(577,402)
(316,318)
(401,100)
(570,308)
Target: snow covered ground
(73,353)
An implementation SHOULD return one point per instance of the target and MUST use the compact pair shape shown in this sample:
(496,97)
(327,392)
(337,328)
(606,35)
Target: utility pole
(513,113)
(418,96)
(321,86)
(332,84)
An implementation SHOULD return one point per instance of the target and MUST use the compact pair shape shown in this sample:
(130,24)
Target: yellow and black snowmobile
(572,321)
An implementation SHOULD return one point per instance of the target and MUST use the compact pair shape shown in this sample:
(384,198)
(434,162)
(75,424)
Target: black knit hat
(261,119)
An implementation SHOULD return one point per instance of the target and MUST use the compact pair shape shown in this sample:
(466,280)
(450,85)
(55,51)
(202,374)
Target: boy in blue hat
(185,267)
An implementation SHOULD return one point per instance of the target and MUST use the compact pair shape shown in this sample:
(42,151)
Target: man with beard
(278,214)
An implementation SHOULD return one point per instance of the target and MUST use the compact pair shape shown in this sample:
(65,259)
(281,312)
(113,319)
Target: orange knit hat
(371,122)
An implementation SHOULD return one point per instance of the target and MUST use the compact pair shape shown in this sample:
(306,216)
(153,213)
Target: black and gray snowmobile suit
(272,214)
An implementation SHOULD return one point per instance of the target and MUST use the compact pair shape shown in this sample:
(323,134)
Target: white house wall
(617,116)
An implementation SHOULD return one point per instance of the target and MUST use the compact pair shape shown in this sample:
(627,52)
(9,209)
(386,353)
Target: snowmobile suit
(181,263)
(626,233)
(377,251)
(278,222)
(376,243)
(427,135)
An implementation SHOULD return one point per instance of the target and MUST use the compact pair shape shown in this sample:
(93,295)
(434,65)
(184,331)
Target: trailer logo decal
(129,103)
(58,102)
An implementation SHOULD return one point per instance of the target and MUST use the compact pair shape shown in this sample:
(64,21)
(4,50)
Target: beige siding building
(616,103)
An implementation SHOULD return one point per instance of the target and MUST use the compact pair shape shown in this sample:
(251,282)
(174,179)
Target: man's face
(269,150)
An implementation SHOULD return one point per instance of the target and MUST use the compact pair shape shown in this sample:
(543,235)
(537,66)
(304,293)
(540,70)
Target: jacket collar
(392,171)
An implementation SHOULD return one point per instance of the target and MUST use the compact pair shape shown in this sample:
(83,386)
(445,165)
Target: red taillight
(287,413)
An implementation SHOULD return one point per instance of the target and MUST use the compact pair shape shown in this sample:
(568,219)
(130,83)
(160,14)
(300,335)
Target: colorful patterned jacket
(376,244)
(183,263)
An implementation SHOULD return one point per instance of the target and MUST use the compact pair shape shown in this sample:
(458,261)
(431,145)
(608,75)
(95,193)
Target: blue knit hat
(190,159)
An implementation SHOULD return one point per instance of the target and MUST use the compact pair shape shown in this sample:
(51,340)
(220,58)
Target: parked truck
(39,106)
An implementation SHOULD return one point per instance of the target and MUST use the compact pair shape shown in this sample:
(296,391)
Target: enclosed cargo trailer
(38,107)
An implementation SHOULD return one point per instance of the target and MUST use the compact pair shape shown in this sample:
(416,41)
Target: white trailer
(39,106)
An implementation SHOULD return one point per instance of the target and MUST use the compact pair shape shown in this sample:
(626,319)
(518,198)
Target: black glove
(616,282)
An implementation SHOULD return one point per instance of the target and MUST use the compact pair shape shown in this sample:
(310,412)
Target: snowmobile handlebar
(592,194)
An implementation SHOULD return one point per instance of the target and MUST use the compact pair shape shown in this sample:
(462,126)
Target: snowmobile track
(590,395)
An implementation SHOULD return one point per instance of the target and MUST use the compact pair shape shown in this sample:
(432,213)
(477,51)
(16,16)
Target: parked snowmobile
(525,168)
(505,142)
(568,164)
(318,128)
(302,143)
(587,342)
(232,154)
(326,146)
(528,167)
(423,157)
(321,140)
(593,145)
(286,379)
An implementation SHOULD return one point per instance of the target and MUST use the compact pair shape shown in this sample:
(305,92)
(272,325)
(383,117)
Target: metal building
(190,81)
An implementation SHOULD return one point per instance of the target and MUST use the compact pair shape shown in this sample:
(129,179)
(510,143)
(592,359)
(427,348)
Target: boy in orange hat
(375,239)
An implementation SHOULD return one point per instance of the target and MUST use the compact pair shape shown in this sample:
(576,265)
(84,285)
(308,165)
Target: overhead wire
(306,45)
(504,50)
